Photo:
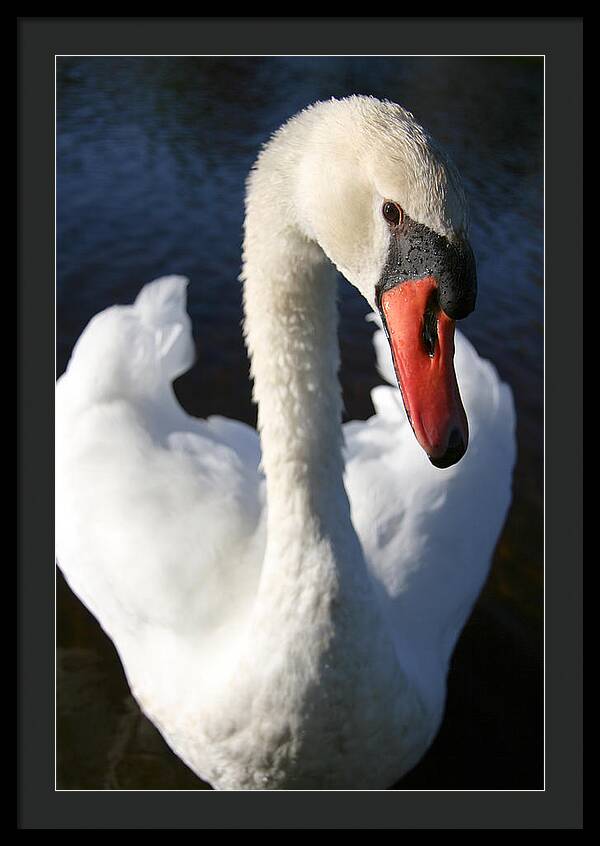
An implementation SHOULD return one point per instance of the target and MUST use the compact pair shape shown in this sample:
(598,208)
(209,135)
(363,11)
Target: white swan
(285,620)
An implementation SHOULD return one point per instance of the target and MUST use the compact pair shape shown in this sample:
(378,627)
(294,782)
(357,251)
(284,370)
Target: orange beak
(421,338)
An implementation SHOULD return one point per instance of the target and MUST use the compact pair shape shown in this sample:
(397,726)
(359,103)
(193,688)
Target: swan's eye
(392,213)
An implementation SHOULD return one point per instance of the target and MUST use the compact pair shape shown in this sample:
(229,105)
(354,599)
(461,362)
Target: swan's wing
(429,534)
(159,516)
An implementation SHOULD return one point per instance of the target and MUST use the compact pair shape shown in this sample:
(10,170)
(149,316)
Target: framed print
(314,579)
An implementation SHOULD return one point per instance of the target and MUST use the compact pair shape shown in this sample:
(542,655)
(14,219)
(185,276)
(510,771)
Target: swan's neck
(291,329)
(317,649)
(315,605)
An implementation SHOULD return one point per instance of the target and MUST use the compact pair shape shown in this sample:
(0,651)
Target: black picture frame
(560,41)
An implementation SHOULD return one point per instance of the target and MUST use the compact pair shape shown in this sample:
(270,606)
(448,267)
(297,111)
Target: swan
(285,602)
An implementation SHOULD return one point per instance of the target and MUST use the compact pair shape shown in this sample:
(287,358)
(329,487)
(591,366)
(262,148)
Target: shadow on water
(152,156)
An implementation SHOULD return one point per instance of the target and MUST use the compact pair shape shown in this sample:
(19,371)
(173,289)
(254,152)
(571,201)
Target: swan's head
(387,207)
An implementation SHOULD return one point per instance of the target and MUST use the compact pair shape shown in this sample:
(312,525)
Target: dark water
(152,154)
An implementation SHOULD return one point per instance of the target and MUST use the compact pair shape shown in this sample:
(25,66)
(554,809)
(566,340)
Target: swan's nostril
(429,331)
(454,451)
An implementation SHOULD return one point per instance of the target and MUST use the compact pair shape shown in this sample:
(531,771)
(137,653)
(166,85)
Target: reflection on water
(152,155)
